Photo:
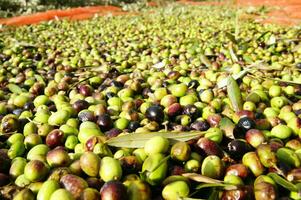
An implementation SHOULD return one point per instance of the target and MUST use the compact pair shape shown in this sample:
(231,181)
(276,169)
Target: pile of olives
(67,88)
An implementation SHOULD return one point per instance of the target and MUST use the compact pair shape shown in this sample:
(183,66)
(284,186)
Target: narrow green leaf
(137,140)
(215,185)
(39,78)
(271,40)
(223,82)
(231,37)
(262,35)
(214,195)
(205,60)
(297,48)
(160,163)
(227,126)
(233,55)
(283,182)
(234,94)
(200,178)
(14,88)
(283,81)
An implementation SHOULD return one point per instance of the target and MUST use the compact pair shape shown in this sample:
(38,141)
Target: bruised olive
(200,125)
(86,115)
(180,151)
(113,190)
(255,137)
(265,190)
(239,170)
(74,184)
(191,111)
(90,163)
(35,170)
(58,158)
(213,167)
(90,194)
(237,194)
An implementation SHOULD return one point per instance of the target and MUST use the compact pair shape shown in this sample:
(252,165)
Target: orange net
(288,12)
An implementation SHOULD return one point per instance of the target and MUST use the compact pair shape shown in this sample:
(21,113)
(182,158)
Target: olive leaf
(297,48)
(223,83)
(14,88)
(39,78)
(200,178)
(227,126)
(205,60)
(160,163)
(283,182)
(234,94)
(271,40)
(231,37)
(137,140)
(214,195)
(284,81)
(233,55)
(215,185)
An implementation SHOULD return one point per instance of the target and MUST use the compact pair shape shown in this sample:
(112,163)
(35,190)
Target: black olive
(298,65)
(102,87)
(29,106)
(201,91)
(237,148)
(261,44)
(86,115)
(246,124)
(105,122)
(192,111)
(193,84)
(37,57)
(116,84)
(17,111)
(133,125)
(113,132)
(110,95)
(155,113)
(80,105)
(200,125)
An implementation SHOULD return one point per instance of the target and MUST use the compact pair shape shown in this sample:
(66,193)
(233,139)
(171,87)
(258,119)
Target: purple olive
(105,122)
(55,138)
(80,105)
(85,90)
(113,190)
(209,147)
